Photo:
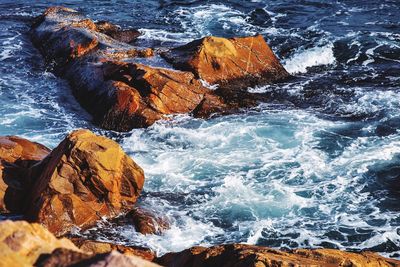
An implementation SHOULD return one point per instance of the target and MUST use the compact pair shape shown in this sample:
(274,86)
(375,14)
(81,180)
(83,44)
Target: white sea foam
(304,59)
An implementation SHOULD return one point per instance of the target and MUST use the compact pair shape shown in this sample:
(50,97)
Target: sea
(316,166)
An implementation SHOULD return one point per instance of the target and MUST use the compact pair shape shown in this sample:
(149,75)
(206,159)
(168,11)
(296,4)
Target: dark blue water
(318,166)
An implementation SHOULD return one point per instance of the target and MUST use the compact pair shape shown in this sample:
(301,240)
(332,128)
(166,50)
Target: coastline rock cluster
(106,77)
(88,178)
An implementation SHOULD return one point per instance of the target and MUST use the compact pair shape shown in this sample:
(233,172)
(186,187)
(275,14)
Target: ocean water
(317,166)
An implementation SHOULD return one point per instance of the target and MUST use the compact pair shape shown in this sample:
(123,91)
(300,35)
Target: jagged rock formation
(121,94)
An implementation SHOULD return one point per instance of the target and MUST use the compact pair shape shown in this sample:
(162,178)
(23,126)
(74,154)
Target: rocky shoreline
(88,178)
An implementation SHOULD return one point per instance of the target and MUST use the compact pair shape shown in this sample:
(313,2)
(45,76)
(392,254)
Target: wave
(304,59)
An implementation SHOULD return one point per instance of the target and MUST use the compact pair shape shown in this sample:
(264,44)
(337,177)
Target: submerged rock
(230,62)
(16,156)
(237,255)
(145,221)
(121,94)
(22,243)
(84,179)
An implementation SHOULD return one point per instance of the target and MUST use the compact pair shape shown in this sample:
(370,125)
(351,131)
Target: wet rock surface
(145,221)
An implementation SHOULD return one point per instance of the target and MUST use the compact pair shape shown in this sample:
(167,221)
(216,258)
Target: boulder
(230,62)
(84,179)
(16,156)
(22,243)
(237,255)
(145,221)
(98,247)
(64,258)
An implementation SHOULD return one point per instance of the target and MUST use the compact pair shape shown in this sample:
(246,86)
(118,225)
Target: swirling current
(316,166)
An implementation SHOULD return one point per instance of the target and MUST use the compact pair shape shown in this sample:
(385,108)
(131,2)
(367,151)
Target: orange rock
(22,243)
(87,177)
(246,255)
(145,94)
(239,62)
(16,156)
(97,247)
(18,150)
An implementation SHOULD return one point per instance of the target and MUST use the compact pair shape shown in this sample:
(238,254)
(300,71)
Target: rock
(98,247)
(246,255)
(16,156)
(84,179)
(121,94)
(235,62)
(21,151)
(64,258)
(126,36)
(146,94)
(61,257)
(145,221)
(22,243)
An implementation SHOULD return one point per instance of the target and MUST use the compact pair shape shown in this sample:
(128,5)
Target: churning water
(317,166)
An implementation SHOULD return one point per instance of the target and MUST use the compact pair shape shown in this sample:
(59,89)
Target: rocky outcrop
(122,94)
(22,243)
(84,179)
(64,258)
(98,247)
(237,255)
(16,156)
(235,62)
